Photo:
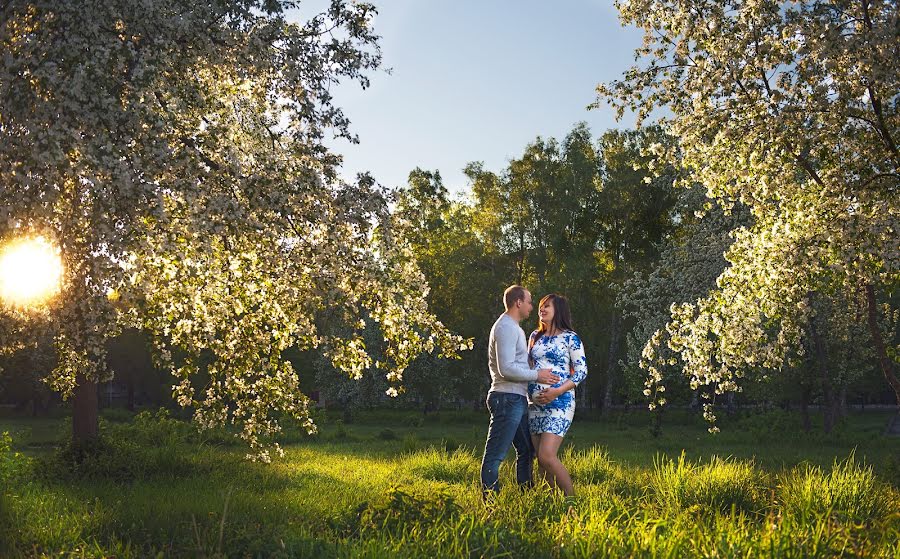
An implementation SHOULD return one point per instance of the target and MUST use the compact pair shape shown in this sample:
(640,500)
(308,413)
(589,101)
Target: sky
(477,80)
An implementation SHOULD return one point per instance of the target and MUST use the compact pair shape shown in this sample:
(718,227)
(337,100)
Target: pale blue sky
(478,80)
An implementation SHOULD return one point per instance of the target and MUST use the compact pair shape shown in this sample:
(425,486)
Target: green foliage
(387,435)
(13,465)
(891,470)
(340,432)
(410,443)
(761,426)
(456,466)
(718,485)
(151,446)
(207,210)
(740,87)
(402,509)
(361,498)
(849,491)
(593,466)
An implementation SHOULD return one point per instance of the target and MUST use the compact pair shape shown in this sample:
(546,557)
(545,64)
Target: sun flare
(30,272)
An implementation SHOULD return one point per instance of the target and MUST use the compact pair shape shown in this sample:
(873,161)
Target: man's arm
(506,338)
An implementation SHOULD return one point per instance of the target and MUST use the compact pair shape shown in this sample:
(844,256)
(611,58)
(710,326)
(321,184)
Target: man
(507,399)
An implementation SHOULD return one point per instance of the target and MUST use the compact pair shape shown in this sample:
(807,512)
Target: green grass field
(394,484)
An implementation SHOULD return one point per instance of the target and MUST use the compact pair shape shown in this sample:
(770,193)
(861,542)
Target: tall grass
(720,485)
(365,495)
(459,466)
(849,490)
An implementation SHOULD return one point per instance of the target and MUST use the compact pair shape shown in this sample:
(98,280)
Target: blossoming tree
(174,153)
(790,108)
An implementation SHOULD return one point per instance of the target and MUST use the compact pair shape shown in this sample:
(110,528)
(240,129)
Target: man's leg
(501,432)
(523,445)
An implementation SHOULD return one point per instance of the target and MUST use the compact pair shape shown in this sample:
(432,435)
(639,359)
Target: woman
(555,345)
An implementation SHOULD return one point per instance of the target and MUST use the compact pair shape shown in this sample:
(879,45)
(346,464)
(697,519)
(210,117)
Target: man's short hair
(512,294)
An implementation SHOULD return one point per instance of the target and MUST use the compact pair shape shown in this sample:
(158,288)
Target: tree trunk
(520,264)
(612,361)
(131,390)
(695,401)
(85,406)
(841,408)
(804,409)
(730,403)
(887,367)
(821,361)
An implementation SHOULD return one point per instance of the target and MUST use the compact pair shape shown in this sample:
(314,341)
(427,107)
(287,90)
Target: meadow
(401,484)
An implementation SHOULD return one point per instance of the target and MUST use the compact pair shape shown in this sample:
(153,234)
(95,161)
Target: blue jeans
(509,425)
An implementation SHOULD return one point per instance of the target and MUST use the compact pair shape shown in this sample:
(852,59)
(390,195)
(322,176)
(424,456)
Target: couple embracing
(532,395)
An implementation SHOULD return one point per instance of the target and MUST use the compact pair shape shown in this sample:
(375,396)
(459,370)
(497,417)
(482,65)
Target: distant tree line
(583,217)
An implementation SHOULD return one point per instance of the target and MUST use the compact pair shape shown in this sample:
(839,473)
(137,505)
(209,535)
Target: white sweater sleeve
(506,337)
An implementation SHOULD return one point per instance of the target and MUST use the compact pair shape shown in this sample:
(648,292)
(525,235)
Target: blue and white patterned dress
(564,354)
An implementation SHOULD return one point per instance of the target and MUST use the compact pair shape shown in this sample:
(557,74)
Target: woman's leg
(542,473)
(549,463)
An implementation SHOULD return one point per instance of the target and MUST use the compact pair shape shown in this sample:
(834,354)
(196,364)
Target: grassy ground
(399,484)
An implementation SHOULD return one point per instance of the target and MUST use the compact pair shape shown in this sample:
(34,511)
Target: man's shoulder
(503,322)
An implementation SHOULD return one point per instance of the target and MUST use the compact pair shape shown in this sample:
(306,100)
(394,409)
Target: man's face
(526,305)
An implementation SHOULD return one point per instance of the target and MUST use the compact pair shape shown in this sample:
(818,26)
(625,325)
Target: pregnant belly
(535,387)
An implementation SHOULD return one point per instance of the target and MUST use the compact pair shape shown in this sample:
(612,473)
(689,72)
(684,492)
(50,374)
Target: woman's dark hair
(562,316)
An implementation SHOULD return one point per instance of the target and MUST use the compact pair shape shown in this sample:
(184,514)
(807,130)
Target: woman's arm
(577,360)
(550,394)
(531,341)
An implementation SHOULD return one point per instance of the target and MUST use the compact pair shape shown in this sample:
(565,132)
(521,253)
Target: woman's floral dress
(564,354)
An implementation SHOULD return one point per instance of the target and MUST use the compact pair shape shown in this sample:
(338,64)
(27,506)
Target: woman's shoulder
(572,337)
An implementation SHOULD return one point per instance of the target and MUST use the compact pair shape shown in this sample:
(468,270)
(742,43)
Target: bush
(158,428)
(153,445)
(13,465)
(118,415)
(762,426)
(387,435)
(340,431)
(892,471)
(410,443)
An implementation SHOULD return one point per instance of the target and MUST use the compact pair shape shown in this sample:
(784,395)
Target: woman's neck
(550,331)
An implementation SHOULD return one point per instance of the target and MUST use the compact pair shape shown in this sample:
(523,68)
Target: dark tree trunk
(656,426)
(520,264)
(821,363)
(612,360)
(730,403)
(887,367)
(804,409)
(131,391)
(85,406)
(841,408)
(695,401)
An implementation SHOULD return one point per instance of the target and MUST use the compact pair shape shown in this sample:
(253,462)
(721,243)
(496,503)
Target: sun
(30,272)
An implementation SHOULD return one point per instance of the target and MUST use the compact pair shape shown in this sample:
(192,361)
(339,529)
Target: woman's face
(546,313)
